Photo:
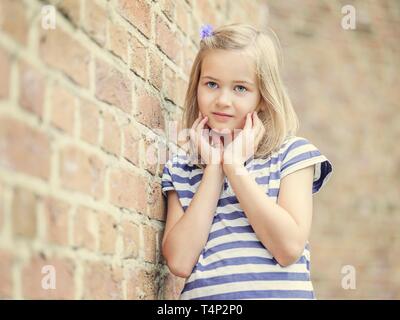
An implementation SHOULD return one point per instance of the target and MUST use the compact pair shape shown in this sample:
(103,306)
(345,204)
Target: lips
(222,114)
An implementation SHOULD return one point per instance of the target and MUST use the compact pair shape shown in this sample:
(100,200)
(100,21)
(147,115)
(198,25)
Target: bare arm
(282,227)
(186,233)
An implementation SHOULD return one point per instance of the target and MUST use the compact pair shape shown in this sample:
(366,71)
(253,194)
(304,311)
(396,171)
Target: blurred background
(88,93)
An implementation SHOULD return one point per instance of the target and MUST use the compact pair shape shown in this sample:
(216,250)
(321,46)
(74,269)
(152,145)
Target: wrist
(214,168)
(232,163)
(234,167)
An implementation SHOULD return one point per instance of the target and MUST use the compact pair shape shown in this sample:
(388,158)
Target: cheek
(241,120)
(201,98)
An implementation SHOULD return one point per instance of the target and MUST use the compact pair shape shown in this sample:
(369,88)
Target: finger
(247,124)
(216,140)
(205,133)
(196,122)
(193,129)
(224,135)
(202,123)
(255,118)
(257,124)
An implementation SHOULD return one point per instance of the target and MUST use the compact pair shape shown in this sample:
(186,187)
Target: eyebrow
(236,81)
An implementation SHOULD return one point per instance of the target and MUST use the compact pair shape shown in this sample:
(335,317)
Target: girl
(238,220)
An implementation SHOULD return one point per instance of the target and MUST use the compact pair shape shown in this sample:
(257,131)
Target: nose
(224,98)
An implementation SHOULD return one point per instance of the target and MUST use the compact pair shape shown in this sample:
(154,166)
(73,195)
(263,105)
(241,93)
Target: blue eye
(209,82)
(241,91)
(243,87)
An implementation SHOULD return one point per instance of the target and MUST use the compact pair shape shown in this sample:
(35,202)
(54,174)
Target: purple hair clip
(206,31)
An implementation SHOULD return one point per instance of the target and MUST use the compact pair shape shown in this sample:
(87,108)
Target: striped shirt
(234,264)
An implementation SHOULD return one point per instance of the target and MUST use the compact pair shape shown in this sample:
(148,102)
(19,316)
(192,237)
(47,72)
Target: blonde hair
(277,113)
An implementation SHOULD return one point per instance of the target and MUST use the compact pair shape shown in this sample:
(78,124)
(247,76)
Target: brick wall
(343,84)
(82,105)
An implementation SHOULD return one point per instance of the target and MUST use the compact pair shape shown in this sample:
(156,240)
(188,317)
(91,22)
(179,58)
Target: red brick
(150,243)
(14,20)
(5,67)
(61,51)
(138,56)
(156,69)
(2,204)
(182,19)
(102,281)
(167,40)
(113,87)
(56,213)
(71,9)
(149,111)
(169,86)
(107,233)
(173,286)
(137,13)
(168,7)
(181,91)
(19,142)
(81,171)
(151,158)
(189,54)
(131,238)
(111,134)
(24,213)
(89,122)
(95,22)
(118,40)
(163,154)
(32,88)
(132,139)
(63,108)
(32,278)
(194,30)
(85,228)
(156,204)
(128,190)
(207,12)
(6,283)
(142,285)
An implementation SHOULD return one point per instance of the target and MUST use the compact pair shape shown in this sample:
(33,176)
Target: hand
(200,140)
(245,144)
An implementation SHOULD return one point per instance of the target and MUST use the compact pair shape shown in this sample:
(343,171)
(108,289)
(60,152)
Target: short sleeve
(299,153)
(166,179)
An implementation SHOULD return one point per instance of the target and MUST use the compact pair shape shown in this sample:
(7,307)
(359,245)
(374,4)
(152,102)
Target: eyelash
(237,86)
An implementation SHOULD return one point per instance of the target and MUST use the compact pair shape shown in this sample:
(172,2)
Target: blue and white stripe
(234,264)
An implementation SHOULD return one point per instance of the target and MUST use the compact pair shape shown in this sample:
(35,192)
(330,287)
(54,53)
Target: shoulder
(179,163)
(294,142)
(297,153)
(177,174)
(297,146)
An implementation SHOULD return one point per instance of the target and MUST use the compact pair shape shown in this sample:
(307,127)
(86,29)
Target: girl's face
(227,85)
